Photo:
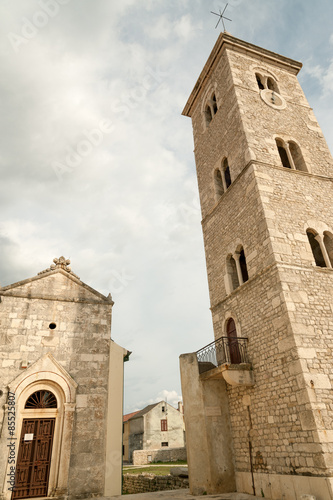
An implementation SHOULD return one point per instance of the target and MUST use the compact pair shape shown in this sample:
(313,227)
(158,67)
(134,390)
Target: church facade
(259,401)
(61,389)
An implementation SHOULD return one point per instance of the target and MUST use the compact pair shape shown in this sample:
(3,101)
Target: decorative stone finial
(60,263)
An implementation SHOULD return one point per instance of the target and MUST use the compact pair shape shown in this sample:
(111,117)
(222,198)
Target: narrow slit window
(243,266)
(214,103)
(226,174)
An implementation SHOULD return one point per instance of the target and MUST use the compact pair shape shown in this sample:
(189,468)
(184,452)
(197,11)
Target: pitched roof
(129,415)
(145,410)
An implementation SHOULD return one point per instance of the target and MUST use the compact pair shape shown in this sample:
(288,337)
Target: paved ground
(181,495)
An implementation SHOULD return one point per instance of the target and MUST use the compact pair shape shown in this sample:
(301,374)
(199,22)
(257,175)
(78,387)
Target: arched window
(243,267)
(226,174)
(291,155)
(232,272)
(237,269)
(259,81)
(272,85)
(218,183)
(328,242)
(234,352)
(283,153)
(315,247)
(41,399)
(267,82)
(210,108)
(297,156)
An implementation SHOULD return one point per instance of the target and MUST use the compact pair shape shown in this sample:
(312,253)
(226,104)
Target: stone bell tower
(259,401)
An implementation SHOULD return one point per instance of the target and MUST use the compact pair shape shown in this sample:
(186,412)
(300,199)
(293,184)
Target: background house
(157,426)
(126,433)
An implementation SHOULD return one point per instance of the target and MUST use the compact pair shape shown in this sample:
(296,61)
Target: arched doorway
(44,392)
(35,447)
(234,352)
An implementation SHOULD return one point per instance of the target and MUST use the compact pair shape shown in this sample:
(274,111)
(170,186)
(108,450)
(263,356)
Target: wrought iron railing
(225,350)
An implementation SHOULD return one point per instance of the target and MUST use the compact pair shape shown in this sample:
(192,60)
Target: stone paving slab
(182,494)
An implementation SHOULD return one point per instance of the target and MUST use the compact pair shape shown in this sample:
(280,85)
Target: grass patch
(158,471)
(178,462)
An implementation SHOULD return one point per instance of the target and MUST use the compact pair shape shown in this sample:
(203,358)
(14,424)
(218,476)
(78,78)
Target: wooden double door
(34,458)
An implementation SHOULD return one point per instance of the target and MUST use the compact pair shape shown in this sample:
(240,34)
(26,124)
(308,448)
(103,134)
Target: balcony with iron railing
(226,358)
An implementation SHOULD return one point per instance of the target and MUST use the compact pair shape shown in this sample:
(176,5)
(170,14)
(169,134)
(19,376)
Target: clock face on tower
(273,99)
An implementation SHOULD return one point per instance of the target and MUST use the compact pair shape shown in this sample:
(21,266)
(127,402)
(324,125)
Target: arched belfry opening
(316,248)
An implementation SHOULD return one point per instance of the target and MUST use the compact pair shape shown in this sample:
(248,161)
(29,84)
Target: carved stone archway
(47,374)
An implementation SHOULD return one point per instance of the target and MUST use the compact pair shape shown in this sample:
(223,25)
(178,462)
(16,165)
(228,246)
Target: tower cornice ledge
(226,41)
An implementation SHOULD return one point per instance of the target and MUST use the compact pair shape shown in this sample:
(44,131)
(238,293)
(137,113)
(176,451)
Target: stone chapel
(259,401)
(61,389)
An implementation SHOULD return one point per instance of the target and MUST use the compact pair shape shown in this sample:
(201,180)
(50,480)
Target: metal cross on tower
(221,16)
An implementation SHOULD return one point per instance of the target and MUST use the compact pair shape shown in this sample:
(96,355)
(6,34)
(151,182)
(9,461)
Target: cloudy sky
(97,163)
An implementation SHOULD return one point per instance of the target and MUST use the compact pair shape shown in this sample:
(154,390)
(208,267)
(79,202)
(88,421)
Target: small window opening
(163,408)
(214,103)
(52,326)
(227,176)
(316,250)
(260,84)
(164,443)
(242,262)
(226,173)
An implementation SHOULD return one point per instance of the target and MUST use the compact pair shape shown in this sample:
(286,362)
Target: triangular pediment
(57,284)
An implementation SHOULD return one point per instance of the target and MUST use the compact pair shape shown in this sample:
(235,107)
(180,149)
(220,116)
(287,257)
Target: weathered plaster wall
(174,436)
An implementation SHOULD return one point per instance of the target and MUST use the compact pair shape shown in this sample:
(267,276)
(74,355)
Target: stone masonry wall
(245,128)
(144,483)
(80,343)
(142,457)
(284,309)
